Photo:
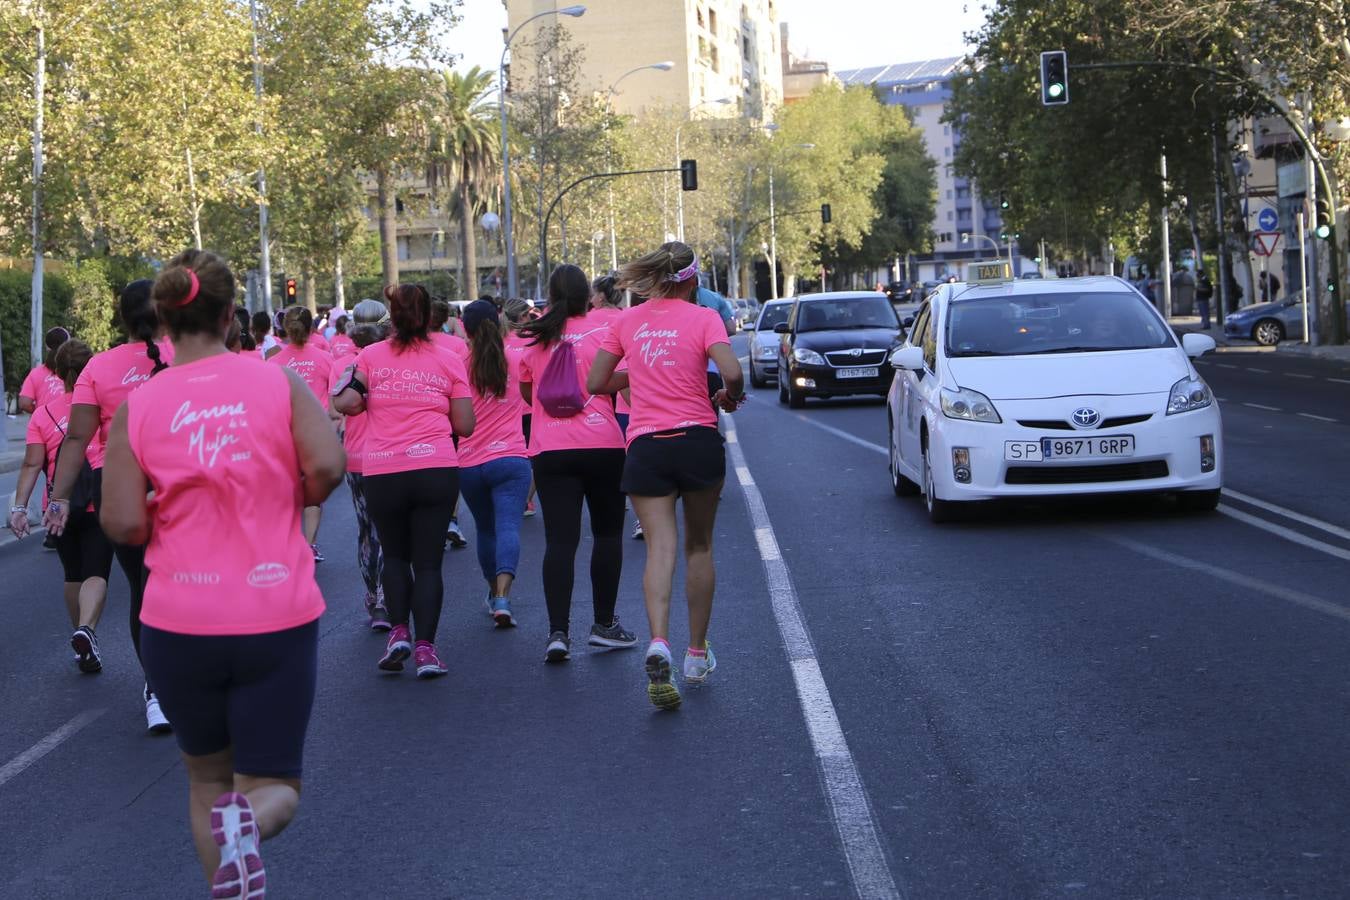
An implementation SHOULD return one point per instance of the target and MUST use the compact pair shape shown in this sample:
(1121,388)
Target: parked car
(764,342)
(1268,323)
(834,345)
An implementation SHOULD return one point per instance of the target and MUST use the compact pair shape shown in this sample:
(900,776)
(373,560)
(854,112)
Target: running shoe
(379,618)
(318,554)
(559,647)
(397,650)
(500,608)
(611,635)
(240,874)
(698,668)
(155,720)
(49,542)
(429,665)
(85,646)
(529,509)
(660,689)
(455,537)
(637,532)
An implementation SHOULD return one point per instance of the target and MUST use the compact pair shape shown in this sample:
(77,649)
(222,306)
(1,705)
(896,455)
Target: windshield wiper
(1082,350)
(962,353)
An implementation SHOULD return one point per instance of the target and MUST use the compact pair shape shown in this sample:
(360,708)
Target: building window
(745,46)
(949,193)
(963,214)
(439,245)
(702,49)
(404,252)
(398,205)
(713,58)
(946,129)
(946,151)
(700,17)
(712,21)
(950,215)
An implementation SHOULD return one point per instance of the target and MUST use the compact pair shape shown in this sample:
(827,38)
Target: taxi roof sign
(988,271)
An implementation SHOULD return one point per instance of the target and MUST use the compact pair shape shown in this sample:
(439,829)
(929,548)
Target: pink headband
(192,291)
(684,274)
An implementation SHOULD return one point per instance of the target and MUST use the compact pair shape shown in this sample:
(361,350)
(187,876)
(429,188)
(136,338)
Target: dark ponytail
(140,320)
(569,295)
(487,360)
(54,339)
(409,313)
(299,322)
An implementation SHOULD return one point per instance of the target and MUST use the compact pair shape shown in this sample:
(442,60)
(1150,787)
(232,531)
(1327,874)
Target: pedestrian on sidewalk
(86,555)
(1204,292)
(676,456)
(233,452)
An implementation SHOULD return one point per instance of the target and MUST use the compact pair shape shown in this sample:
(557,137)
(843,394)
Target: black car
(836,345)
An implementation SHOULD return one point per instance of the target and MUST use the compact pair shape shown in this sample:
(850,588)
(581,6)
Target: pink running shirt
(666,344)
(452,342)
(318,340)
(43,385)
(497,431)
(342,346)
(226,555)
(109,378)
(595,426)
(314,366)
(48,427)
(354,428)
(408,406)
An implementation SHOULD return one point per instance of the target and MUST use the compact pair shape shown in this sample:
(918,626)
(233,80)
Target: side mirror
(782,328)
(910,358)
(906,322)
(1197,345)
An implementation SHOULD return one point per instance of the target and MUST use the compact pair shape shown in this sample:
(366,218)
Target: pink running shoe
(429,665)
(241,873)
(397,650)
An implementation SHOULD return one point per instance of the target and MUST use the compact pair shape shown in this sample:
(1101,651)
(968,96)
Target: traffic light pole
(543,237)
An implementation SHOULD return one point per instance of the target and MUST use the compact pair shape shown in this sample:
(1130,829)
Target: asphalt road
(1110,700)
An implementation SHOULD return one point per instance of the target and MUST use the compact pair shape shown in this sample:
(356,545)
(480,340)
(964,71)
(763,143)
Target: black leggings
(132,560)
(564,479)
(411,512)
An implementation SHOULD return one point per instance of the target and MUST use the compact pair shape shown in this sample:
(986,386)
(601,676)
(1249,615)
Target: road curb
(1337,353)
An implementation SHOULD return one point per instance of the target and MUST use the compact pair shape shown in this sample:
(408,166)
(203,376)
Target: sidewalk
(11,455)
(1191,325)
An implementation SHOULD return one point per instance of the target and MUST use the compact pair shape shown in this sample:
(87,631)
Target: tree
(465,156)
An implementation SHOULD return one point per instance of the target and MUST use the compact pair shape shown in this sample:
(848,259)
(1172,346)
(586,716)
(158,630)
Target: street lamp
(679,200)
(659,67)
(574,12)
(773,230)
(664,66)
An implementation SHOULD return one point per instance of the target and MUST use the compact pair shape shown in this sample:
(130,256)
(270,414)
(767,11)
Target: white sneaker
(661,690)
(698,668)
(637,532)
(155,721)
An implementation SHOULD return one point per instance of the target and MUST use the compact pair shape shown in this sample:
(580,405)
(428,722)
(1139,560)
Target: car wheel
(1199,501)
(1268,332)
(939,511)
(796,399)
(902,486)
(782,387)
(756,379)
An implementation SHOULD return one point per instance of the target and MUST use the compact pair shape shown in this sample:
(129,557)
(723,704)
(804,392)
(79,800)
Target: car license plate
(1069,448)
(858,372)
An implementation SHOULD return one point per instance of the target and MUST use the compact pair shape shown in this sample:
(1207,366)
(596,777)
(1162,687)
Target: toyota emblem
(1086,417)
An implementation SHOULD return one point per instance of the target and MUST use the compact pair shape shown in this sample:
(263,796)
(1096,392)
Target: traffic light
(688,175)
(290,290)
(1054,78)
(1003,201)
(1322,218)
(825,215)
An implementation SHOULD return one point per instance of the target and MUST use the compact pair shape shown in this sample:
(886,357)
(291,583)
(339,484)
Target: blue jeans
(496,492)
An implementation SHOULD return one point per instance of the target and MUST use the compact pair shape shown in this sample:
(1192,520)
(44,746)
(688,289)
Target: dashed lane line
(1263,406)
(1258,371)
(1340,380)
(1318,418)
(843,785)
(15,766)
(1297,375)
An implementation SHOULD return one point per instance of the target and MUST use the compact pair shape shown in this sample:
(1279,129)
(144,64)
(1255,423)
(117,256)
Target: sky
(847,34)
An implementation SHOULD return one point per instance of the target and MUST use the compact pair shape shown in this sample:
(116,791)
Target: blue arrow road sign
(1268,219)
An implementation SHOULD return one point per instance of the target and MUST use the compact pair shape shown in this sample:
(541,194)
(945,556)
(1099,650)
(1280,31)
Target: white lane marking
(1261,371)
(1280,592)
(34,753)
(1226,365)
(1340,380)
(1261,406)
(1296,375)
(1318,418)
(1288,534)
(1288,513)
(840,433)
(843,785)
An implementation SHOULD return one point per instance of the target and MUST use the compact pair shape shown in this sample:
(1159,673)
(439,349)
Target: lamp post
(679,200)
(664,66)
(264,251)
(773,230)
(574,12)
(966,236)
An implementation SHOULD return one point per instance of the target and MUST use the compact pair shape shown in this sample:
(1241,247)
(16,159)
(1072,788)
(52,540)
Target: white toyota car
(1008,389)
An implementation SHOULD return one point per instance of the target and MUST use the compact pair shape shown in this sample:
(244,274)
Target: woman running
(263,340)
(494,468)
(86,555)
(515,313)
(441,311)
(675,453)
(372,325)
(42,384)
(233,451)
(341,342)
(107,381)
(314,365)
(417,399)
(577,453)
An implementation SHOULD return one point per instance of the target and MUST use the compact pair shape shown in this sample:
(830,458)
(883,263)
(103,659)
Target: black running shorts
(675,462)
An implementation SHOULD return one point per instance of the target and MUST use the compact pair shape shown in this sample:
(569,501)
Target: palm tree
(464,156)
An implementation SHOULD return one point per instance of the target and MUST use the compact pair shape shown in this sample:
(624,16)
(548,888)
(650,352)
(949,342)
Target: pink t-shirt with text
(595,426)
(666,344)
(408,406)
(497,430)
(313,365)
(109,378)
(226,554)
(318,340)
(452,342)
(43,385)
(354,427)
(47,427)
(342,346)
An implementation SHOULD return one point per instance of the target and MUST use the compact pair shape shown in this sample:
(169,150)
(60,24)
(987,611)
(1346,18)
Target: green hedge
(15,309)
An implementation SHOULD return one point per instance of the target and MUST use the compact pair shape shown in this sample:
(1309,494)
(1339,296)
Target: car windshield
(1029,324)
(859,312)
(774,315)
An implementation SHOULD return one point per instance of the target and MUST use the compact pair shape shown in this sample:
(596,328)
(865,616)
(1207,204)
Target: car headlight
(1188,394)
(765,351)
(808,357)
(972,406)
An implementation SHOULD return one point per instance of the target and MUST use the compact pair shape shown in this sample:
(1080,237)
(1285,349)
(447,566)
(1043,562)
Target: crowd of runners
(200,452)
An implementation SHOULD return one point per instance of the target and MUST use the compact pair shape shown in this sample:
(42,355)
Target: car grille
(1061,425)
(843,358)
(1133,471)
